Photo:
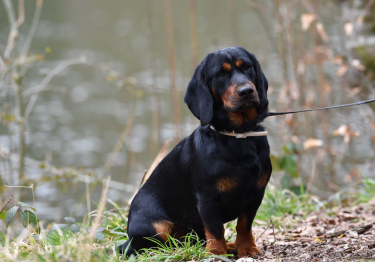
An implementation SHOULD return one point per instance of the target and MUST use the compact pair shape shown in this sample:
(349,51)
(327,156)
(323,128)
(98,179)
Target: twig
(47,79)
(155,137)
(123,136)
(99,213)
(172,68)
(264,230)
(13,33)
(9,200)
(30,36)
(193,33)
(21,13)
(273,231)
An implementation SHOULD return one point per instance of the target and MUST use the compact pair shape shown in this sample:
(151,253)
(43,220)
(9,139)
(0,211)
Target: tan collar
(242,135)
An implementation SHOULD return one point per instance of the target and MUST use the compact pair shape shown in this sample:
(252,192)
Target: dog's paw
(231,248)
(252,251)
(216,248)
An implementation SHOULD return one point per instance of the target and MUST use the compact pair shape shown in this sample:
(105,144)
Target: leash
(322,108)
(264,133)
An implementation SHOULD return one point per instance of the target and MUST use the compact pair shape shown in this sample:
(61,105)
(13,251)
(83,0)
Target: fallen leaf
(344,131)
(322,31)
(312,143)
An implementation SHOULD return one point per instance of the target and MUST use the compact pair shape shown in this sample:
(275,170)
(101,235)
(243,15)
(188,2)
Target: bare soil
(339,234)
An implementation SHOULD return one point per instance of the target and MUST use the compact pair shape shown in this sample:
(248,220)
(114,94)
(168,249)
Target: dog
(211,178)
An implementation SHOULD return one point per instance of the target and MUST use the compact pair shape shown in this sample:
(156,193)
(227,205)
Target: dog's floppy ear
(198,97)
(261,82)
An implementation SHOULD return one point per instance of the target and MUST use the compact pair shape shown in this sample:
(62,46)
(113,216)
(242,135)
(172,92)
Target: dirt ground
(340,234)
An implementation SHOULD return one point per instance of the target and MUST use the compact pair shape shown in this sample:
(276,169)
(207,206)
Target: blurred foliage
(288,163)
(367,56)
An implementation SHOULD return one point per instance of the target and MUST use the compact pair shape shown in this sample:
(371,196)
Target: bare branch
(30,36)
(21,13)
(9,200)
(13,33)
(47,79)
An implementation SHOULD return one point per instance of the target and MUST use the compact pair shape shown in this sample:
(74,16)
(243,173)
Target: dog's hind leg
(127,249)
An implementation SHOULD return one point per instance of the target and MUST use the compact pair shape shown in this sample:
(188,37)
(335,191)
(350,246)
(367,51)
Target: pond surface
(79,117)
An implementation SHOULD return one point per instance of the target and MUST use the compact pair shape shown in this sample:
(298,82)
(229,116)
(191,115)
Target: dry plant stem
(273,231)
(103,200)
(30,36)
(123,135)
(46,80)
(282,46)
(259,10)
(233,21)
(312,175)
(193,33)
(21,13)
(172,68)
(10,163)
(9,200)
(88,200)
(155,137)
(21,131)
(162,153)
(214,23)
(261,234)
(13,33)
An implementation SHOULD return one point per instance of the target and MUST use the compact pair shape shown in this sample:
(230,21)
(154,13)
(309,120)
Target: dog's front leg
(208,207)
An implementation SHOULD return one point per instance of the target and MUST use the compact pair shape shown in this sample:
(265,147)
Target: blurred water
(79,118)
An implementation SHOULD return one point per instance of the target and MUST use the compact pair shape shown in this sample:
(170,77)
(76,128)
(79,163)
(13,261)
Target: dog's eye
(221,74)
(246,67)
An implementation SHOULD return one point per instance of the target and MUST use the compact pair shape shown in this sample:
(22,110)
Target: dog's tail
(127,249)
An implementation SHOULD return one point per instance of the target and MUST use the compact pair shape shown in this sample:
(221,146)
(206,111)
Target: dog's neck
(237,122)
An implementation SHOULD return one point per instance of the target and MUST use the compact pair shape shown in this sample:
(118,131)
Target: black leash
(329,107)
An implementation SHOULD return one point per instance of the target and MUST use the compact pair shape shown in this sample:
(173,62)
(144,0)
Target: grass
(64,245)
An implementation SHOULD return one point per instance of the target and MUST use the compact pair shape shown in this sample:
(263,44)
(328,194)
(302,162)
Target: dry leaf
(306,20)
(322,31)
(344,131)
(337,60)
(295,139)
(319,240)
(360,19)
(357,64)
(312,142)
(348,27)
(342,70)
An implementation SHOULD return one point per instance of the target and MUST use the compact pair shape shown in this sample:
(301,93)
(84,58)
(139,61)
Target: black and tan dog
(210,178)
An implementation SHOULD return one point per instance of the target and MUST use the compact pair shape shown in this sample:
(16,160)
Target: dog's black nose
(245,91)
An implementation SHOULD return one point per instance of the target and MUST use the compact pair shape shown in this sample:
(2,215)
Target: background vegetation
(90,92)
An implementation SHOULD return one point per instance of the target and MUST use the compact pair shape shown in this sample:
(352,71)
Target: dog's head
(229,79)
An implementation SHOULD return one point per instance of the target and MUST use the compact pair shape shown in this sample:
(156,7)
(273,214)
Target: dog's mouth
(242,105)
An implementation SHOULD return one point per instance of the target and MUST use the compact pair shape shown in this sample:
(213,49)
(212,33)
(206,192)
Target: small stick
(265,230)
(273,230)
(9,200)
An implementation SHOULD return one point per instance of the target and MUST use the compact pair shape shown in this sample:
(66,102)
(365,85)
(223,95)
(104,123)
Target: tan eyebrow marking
(239,63)
(226,66)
